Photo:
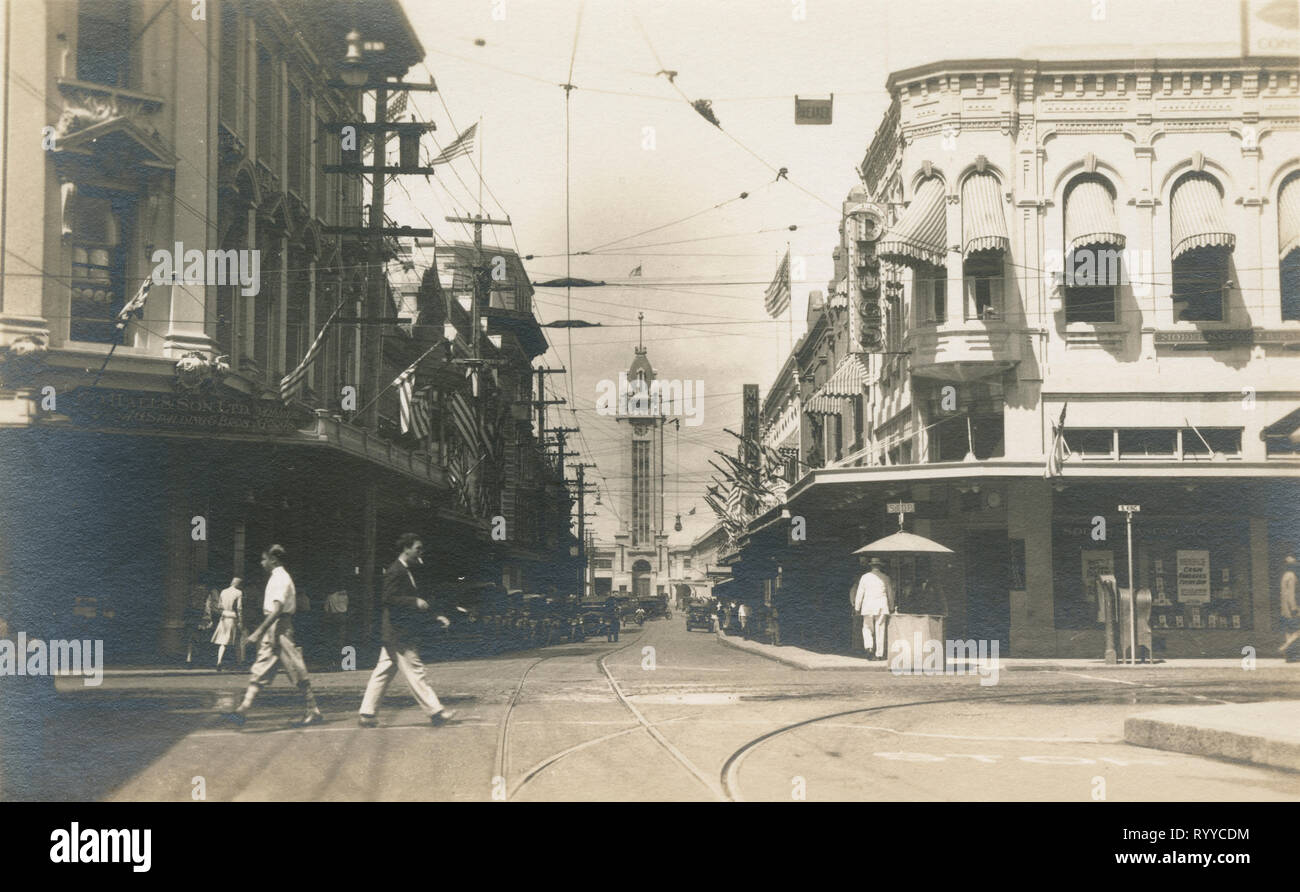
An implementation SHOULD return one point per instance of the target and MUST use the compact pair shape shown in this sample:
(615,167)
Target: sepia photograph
(650,401)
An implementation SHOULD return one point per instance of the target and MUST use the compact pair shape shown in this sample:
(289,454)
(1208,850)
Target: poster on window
(1096,562)
(1193,576)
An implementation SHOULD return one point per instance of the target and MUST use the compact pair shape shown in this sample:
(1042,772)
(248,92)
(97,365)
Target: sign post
(1129,511)
(901,509)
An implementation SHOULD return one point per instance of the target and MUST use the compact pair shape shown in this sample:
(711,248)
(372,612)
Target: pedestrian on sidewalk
(275,644)
(611,620)
(742,613)
(399,637)
(1290,611)
(873,600)
(230,622)
(198,621)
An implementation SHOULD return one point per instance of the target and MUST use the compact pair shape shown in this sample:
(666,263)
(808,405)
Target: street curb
(1178,731)
(788,660)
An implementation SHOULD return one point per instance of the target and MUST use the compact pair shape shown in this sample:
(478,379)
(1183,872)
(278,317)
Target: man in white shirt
(275,645)
(873,600)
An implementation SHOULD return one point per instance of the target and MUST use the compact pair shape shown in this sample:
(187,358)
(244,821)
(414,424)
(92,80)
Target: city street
(664,714)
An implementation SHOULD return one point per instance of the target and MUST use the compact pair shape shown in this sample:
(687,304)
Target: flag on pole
(290,383)
(635,272)
(777,297)
(135,306)
(1056,454)
(462,418)
(459,147)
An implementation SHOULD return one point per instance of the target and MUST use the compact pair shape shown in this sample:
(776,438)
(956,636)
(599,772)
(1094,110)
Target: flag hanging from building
(777,298)
(292,382)
(1056,454)
(462,418)
(135,306)
(416,412)
(459,147)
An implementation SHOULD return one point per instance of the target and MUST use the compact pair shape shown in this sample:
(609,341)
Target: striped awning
(1090,218)
(983,224)
(919,235)
(824,405)
(849,380)
(1196,215)
(1288,217)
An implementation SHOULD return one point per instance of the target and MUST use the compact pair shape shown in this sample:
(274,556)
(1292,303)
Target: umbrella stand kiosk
(915,641)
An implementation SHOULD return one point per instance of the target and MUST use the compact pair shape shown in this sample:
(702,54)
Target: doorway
(641,579)
(988,593)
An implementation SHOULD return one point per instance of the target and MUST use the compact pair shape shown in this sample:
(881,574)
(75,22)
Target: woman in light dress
(229,625)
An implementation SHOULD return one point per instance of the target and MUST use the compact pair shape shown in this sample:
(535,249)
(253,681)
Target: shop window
(1147,442)
(104,42)
(932,293)
(1091,442)
(1201,441)
(982,272)
(100,223)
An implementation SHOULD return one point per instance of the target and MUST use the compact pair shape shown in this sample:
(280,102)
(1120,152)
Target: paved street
(593,721)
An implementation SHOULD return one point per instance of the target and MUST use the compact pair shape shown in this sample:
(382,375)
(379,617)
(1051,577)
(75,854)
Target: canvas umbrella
(904,543)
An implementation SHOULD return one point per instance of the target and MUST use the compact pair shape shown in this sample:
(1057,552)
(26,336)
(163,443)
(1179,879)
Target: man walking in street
(742,614)
(611,620)
(873,600)
(399,635)
(275,642)
(1290,611)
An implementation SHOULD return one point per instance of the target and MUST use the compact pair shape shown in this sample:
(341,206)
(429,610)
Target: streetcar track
(730,773)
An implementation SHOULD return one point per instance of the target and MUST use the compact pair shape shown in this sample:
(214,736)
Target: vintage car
(699,616)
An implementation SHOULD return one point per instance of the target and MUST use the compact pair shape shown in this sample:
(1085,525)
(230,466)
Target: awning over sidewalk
(849,380)
(1090,218)
(1285,428)
(823,405)
(1196,215)
(919,235)
(983,224)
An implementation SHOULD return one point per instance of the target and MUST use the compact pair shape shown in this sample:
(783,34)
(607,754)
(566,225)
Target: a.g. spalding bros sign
(99,407)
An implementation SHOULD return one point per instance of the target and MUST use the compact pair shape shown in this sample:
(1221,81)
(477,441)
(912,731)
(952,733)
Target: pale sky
(750,57)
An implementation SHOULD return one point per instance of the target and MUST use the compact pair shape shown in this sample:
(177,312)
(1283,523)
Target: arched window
(1202,249)
(1288,231)
(1092,250)
(985,244)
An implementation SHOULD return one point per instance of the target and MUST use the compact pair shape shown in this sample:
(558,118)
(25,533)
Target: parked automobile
(699,616)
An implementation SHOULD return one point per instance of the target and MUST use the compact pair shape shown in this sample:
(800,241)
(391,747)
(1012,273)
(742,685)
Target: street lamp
(353,68)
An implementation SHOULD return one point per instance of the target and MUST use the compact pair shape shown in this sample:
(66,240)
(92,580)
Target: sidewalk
(800,658)
(1262,733)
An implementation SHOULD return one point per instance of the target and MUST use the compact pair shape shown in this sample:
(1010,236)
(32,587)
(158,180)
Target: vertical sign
(749,428)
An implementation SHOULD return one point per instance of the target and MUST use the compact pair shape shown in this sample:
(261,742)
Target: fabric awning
(1288,217)
(983,224)
(920,234)
(849,380)
(1285,428)
(1196,214)
(823,405)
(1090,218)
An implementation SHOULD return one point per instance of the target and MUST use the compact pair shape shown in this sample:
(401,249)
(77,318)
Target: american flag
(458,147)
(1056,455)
(415,409)
(291,382)
(777,298)
(464,420)
(134,306)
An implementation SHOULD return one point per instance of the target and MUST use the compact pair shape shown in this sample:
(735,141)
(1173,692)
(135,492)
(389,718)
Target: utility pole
(479,281)
(375,293)
(582,528)
(541,401)
(561,436)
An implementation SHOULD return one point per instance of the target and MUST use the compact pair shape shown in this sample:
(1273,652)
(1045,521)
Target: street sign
(1131,508)
(813,111)
(901,507)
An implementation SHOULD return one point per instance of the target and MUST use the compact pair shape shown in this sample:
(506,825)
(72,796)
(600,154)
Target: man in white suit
(873,600)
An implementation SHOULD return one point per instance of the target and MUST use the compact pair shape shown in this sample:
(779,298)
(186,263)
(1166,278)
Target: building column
(1029,519)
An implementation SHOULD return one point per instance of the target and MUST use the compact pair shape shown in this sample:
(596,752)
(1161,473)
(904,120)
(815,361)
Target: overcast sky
(703,293)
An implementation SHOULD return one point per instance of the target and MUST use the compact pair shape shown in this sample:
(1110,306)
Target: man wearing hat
(873,600)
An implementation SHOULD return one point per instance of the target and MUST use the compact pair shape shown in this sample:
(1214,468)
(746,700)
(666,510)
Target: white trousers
(412,668)
(873,632)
